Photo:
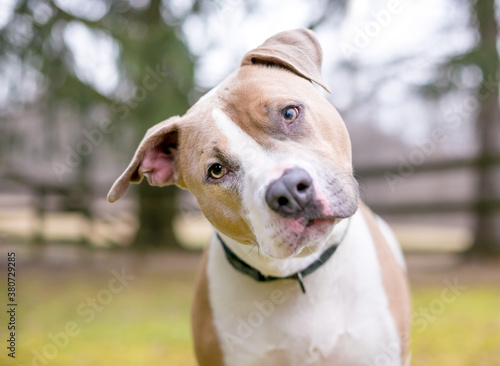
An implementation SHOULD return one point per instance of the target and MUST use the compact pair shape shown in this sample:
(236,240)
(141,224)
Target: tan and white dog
(298,272)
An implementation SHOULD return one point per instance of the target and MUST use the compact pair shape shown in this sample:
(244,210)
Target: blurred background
(417,84)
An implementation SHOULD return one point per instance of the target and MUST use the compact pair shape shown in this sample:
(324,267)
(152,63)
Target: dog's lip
(318,225)
(321,220)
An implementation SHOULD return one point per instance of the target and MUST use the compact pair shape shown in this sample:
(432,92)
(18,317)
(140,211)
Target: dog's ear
(155,158)
(297,50)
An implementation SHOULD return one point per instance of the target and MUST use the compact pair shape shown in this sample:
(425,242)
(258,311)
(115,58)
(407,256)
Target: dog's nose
(291,194)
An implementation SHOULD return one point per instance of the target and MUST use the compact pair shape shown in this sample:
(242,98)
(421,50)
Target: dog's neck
(268,266)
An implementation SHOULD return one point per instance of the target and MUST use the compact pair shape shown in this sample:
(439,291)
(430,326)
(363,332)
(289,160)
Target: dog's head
(266,155)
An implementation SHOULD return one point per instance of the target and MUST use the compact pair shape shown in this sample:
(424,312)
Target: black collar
(245,268)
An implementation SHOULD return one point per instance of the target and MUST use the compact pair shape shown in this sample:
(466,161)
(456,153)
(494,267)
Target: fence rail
(438,166)
(382,171)
(438,207)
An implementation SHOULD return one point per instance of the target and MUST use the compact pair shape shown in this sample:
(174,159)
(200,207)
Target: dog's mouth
(321,221)
(313,233)
(301,237)
(317,227)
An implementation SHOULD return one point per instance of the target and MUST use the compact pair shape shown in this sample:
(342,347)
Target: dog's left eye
(217,171)
(290,114)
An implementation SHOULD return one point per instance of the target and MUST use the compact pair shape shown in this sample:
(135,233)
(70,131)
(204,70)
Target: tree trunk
(487,230)
(157,210)
(160,49)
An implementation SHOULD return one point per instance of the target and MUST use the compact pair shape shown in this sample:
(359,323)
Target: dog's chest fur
(343,317)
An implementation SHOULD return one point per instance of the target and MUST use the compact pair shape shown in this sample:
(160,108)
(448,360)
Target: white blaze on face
(276,235)
(254,161)
(257,172)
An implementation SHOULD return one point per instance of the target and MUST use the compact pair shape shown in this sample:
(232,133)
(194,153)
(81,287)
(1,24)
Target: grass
(148,322)
(145,324)
(465,332)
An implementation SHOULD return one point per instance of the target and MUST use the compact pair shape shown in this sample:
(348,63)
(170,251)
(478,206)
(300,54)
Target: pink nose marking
(278,170)
(323,200)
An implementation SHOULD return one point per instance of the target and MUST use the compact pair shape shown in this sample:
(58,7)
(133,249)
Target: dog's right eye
(217,171)
(290,114)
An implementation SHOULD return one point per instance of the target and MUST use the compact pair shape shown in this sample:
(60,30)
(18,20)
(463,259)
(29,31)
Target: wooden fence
(382,171)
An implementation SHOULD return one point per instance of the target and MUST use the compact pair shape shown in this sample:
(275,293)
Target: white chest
(343,319)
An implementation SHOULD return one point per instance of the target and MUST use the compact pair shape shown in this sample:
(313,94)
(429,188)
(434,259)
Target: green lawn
(465,332)
(147,322)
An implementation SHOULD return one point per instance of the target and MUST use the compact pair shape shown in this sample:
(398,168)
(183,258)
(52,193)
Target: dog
(299,271)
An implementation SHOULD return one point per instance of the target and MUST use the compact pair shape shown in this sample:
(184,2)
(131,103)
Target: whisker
(253,246)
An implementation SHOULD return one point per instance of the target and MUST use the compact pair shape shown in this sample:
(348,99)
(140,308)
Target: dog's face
(267,157)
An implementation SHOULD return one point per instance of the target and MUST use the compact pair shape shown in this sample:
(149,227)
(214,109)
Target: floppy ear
(297,50)
(154,158)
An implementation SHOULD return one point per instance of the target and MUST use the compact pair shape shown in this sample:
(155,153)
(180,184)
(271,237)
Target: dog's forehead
(241,116)
(238,143)
(251,94)
(234,123)
(243,112)
(255,87)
